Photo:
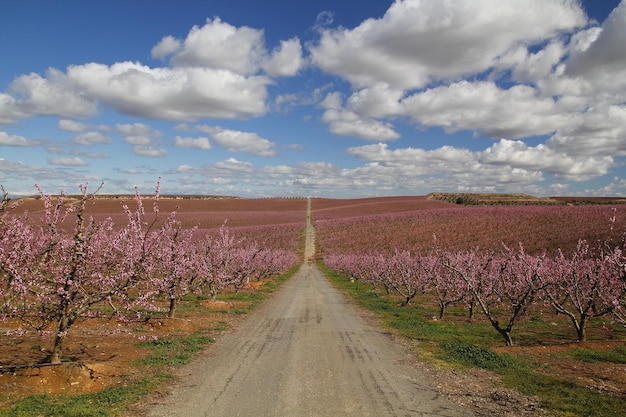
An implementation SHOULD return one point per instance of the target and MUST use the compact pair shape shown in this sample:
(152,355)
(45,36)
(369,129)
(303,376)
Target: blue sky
(318,98)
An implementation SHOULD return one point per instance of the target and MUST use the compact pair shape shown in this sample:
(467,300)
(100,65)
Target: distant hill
(487,199)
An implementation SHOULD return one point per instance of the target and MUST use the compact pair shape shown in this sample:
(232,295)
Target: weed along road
(305,352)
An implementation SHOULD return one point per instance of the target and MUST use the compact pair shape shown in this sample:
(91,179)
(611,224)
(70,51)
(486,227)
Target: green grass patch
(617,355)
(173,351)
(109,402)
(459,341)
(468,354)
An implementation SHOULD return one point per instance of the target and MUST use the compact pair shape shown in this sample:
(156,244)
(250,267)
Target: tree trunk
(59,339)
(581,329)
(472,307)
(172,310)
(505,333)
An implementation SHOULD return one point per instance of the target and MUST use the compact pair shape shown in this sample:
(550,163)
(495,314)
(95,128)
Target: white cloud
(419,41)
(482,106)
(175,94)
(90,138)
(323,19)
(185,169)
(345,122)
(138,140)
(14,140)
(278,171)
(92,155)
(543,158)
(529,66)
(137,129)
(139,134)
(286,60)
(9,166)
(72,126)
(221,46)
(600,131)
(150,151)
(167,46)
(234,165)
(196,143)
(238,141)
(55,95)
(379,100)
(218,45)
(504,163)
(606,54)
(10,111)
(69,162)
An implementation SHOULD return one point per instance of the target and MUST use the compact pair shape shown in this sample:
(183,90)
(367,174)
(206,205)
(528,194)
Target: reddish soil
(555,360)
(206,213)
(99,359)
(100,353)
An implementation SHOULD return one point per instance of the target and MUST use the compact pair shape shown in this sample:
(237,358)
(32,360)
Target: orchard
(63,265)
(583,284)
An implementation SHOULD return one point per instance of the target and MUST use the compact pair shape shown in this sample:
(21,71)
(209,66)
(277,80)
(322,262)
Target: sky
(339,99)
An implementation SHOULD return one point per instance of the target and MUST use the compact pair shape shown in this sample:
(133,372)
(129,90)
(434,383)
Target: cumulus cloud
(54,95)
(150,151)
(177,94)
(14,140)
(543,158)
(505,163)
(286,60)
(234,165)
(218,71)
(10,111)
(238,141)
(220,45)
(72,126)
(419,41)
(137,129)
(91,138)
(9,166)
(483,106)
(68,162)
(604,52)
(427,46)
(167,46)
(345,122)
(599,131)
(196,143)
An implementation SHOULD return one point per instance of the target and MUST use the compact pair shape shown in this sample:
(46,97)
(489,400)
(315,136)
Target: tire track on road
(305,352)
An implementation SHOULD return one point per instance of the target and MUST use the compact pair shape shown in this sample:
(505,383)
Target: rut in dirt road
(305,352)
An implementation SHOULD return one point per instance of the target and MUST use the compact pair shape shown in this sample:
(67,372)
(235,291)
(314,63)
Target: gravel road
(305,352)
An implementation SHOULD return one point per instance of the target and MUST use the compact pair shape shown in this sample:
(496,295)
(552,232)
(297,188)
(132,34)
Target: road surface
(305,352)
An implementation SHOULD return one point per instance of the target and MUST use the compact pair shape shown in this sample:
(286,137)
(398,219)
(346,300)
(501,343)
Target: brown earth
(101,354)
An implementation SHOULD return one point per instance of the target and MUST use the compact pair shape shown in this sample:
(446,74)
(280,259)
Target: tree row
(502,285)
(61,266)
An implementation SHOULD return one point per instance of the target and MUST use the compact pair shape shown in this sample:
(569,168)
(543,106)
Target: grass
(178,349)
(173,351)
(460,343)
(468,354)
(109,402)
(617,355)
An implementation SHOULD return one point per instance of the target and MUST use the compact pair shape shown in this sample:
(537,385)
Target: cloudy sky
(341,98)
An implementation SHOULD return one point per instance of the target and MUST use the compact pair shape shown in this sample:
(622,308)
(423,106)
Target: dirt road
(305,352)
